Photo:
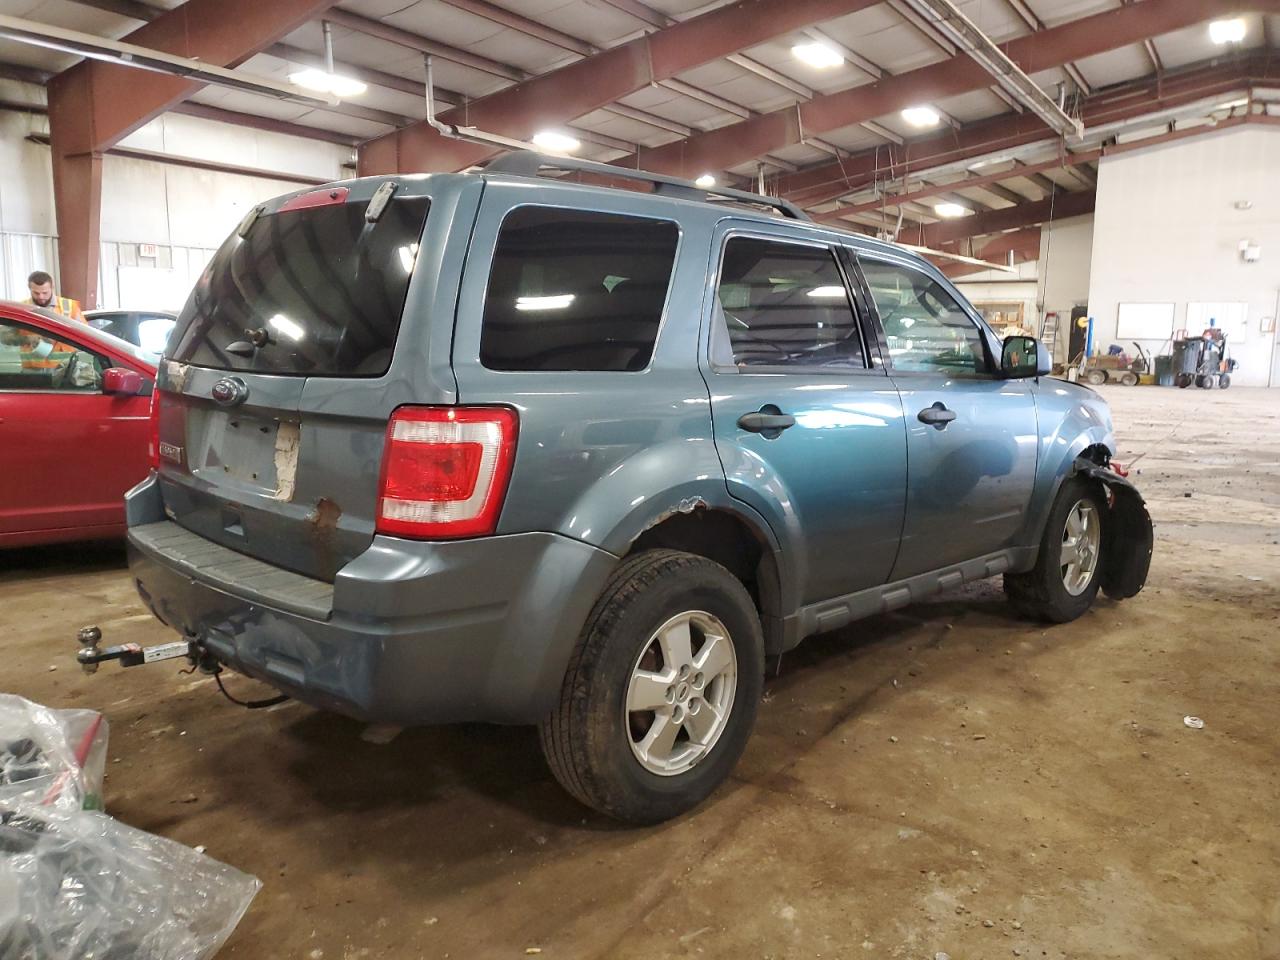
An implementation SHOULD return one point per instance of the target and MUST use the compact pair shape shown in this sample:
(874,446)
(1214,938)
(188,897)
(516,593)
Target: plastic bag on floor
(55,755)
(77,884)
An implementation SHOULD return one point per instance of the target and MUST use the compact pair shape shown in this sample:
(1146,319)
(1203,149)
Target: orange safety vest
(64,306)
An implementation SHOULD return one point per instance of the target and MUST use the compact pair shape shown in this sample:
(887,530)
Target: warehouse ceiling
(760,112)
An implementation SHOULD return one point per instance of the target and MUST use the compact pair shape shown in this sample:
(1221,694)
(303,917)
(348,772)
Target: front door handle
(936,416)
(768,421)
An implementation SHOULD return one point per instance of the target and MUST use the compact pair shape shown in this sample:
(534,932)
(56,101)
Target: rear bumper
(414,632)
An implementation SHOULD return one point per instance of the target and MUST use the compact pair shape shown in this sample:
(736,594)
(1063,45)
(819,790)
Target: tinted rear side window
(576,290)
(326,286)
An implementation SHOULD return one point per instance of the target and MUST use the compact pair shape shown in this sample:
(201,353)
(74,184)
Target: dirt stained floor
(944,779)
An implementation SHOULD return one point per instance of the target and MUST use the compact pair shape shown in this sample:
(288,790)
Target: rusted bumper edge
(1126,553)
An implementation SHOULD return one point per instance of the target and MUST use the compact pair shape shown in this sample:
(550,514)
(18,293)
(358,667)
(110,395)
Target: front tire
(1065,580)
(661,691)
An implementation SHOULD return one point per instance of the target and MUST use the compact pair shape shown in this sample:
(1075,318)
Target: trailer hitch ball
(89,638)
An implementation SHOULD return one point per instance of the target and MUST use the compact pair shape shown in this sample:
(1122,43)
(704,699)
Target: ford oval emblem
(229,391)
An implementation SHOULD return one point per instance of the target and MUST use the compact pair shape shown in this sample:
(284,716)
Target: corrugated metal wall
(22,253)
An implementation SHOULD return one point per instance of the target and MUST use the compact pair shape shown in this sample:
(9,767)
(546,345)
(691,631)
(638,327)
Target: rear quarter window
(576,290)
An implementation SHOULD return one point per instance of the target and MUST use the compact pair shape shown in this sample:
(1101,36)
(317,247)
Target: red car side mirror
(122,381)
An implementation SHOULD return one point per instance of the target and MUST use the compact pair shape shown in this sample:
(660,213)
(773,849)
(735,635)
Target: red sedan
(74,427)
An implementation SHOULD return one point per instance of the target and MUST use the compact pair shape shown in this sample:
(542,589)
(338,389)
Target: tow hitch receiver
(129,654)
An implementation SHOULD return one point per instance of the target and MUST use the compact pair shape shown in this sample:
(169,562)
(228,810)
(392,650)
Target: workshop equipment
(1116,367)
(1203,361)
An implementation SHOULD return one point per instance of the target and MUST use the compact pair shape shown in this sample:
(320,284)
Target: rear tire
(1185,380)
(609,752)
(1057,589)
(1224,381)
(1129,379)
(1095,377)
(1204,382)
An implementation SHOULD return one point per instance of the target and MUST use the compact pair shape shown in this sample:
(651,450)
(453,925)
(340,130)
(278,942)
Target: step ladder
(1049,333)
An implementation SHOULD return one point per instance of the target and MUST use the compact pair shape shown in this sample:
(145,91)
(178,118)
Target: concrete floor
(946,779)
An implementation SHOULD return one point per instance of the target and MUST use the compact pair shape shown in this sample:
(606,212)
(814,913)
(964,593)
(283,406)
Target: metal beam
(999,135)
(1011,218)
(1028,16)
(729,146)
(968,36)
(595,82)
(998,190)
(285,51)
(270,124)
(195,163)
(93,105)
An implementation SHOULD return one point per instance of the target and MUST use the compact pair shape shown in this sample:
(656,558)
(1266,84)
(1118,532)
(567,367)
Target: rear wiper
(258,338)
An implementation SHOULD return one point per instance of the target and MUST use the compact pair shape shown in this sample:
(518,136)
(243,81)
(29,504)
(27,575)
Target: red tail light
(445,471)
(153,438)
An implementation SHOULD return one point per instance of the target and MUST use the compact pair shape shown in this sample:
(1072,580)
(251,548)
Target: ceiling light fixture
(817,55)
(330,83)
(1227,31)
(950,210)
(556,142)
(922,116)
(706,181)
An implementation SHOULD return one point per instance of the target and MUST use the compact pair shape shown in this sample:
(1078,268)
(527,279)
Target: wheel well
(729,541)
(1098,453)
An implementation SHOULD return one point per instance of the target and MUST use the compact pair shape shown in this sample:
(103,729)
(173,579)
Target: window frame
(857,307)
(985,335)
(106,361)
(577,208)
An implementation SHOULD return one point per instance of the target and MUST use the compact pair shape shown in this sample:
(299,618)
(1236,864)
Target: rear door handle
(768,421)
(936,416)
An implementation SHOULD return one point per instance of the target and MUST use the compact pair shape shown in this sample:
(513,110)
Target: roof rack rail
(528,163)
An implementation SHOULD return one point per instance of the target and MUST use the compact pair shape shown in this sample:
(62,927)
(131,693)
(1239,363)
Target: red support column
(93,105)
(77,199)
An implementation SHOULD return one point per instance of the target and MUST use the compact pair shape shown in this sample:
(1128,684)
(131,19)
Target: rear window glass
(323,286)
(576,290)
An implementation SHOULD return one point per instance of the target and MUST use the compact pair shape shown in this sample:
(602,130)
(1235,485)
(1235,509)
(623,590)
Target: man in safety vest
(41,286)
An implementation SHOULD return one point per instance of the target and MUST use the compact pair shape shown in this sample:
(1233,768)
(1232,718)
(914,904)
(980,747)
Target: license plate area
(236,451)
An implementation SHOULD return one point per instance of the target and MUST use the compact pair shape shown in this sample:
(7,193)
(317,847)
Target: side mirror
(1025,357)
(122,381)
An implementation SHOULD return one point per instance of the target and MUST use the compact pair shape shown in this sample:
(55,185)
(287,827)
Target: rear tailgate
(309,326)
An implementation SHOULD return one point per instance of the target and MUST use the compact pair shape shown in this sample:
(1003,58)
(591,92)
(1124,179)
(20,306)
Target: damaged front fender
(1126,551)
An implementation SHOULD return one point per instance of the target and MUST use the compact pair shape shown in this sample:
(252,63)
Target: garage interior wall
(1066,252)
(183,212)
(996,287)
(1168,225)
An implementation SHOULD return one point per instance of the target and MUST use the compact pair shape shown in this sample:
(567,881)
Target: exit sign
(148,250)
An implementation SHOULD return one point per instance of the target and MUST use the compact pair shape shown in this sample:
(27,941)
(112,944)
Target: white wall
(1167,229)
(1066,251)
(185,212)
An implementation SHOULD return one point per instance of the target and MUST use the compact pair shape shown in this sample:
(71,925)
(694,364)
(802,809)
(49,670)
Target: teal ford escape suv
(499,446)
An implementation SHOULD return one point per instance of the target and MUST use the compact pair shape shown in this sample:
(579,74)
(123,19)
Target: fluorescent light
(345,87)
(324,82)
(950,210)
(555,142)
(289,328)
(922,116)
(706,181)
(1232,104)
(557,301)
(825,293)
(1227,31)
(817,55)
